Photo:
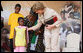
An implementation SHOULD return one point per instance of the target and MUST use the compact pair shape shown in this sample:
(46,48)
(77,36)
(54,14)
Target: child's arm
(26,37)
(14,38)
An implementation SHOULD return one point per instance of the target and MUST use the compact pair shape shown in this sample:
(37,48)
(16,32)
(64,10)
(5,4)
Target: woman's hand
(50,27)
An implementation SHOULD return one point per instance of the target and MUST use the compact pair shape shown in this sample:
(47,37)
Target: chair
(73,42)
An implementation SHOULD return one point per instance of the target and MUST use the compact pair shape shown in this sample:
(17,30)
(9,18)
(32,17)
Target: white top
(47,14)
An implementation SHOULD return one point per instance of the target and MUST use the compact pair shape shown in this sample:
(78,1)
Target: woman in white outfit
(51,32)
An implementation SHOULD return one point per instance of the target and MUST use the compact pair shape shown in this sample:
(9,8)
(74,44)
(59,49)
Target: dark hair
(20,18)
(1,8)
(63,12)
(76,7)
(77,28)
(33,13)
(17,5)
(7,31)
(71,13)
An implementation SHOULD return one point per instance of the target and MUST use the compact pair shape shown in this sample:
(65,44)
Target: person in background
(71,15)
(29,21)
(5,40)
(2,19)
(35,36)
(63,15)
(2,22)
(40,47)
(68,9)
(76,13)
(13,22)
(63,31)
(66,28)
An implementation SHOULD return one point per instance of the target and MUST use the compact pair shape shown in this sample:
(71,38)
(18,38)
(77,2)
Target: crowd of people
(71,17)
(32,34)
(5,42)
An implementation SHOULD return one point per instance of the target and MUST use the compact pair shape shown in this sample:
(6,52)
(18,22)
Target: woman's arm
(14,38)
(58,22)
(36,26)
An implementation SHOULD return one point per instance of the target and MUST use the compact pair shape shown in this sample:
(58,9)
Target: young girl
(13,22)
(20,39)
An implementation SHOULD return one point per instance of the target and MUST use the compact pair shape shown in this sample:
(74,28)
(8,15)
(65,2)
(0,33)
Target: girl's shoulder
(21,27)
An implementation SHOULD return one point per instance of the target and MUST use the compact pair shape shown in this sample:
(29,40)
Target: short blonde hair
(38,6)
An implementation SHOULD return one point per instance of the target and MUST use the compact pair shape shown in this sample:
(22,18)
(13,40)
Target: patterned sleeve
(37,26)
(59,20)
